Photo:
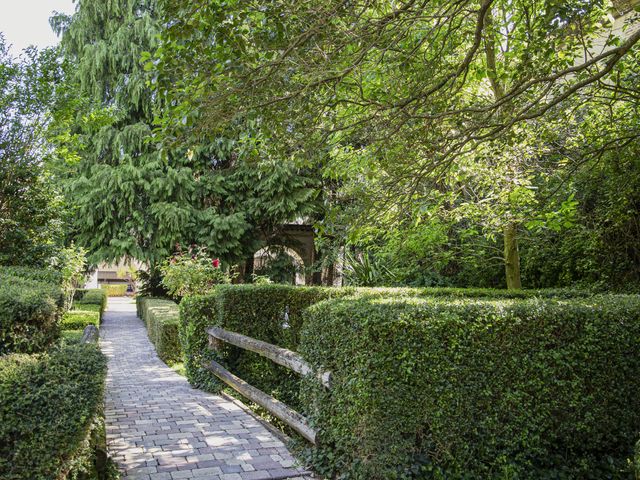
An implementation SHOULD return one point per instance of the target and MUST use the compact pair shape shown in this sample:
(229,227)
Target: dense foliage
(31,208)
(449,383)
(161,317)
(475,388)
(31,302)
(81,317)
(271,313)
(136,195)
(90,298)
(50,413)
(451,136)
(192,272)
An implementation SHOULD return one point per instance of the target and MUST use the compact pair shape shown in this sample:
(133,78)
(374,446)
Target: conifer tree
(134,196)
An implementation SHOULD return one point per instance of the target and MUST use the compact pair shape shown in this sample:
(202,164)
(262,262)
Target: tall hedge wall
(160,316)
(50,413)
(466,389)
(31,302)
(258,311)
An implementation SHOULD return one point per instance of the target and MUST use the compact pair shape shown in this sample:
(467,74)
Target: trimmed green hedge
(161,317)
(51,413)
(31,302)
(93,296)
(79,319)
(471,388)
(258,311)
(114,290)
(254,310)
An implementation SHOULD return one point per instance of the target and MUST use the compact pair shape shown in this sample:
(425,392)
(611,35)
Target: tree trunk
(512,257)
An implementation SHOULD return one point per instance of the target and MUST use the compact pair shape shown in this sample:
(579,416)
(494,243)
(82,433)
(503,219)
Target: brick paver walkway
(159,428)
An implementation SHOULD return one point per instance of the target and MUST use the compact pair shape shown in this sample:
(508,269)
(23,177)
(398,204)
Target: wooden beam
(279,355)
(272,405)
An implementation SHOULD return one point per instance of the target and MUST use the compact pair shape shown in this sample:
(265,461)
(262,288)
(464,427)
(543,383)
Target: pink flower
(215,262)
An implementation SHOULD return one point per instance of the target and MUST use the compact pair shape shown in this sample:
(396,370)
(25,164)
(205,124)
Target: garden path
(160,428)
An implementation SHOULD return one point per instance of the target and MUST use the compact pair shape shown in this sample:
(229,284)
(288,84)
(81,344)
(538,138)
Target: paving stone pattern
(160,428)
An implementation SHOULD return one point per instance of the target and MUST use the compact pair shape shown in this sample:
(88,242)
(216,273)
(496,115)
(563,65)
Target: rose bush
(192,272)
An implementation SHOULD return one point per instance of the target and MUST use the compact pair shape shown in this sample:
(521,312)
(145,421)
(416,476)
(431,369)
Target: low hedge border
(31,303)
(114,290)
(441,383)
(161,317)
(258,311)
(51,418)
(87,299)
(79,319)
(473,388)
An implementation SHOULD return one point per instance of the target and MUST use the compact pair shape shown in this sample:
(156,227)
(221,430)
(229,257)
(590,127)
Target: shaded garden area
(456,184)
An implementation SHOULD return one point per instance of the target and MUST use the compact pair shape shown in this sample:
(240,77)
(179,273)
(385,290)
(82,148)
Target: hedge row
(160,316)
(31,302)
(51,413)
(475,388)
(259,312)
(452,384)
(79,319)
(114,290)
(93,296)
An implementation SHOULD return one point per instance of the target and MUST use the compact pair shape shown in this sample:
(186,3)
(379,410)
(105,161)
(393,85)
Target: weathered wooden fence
(281,356)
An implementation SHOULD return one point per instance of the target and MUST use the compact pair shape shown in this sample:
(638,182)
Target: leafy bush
(192,272)
(474,388)
(29,273)
(114,290)
(79,319)
(50,413)
(196,314)
(161,318)
(30,307)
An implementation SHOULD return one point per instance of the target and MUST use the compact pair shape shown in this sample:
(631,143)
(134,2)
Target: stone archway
(298,238)
(268,253)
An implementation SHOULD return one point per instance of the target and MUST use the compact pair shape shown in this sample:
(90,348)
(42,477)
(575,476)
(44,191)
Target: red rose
(215,262)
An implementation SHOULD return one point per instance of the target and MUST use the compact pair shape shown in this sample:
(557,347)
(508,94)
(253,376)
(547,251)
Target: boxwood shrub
(161,317)
(30,309)
(475,388)
(51,413)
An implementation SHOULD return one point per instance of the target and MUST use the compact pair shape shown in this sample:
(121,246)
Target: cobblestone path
(160,428)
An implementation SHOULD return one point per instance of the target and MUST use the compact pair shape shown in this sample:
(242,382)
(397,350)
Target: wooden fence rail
(279,355)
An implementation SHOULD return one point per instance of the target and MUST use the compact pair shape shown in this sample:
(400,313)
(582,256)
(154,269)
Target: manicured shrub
(259,312)
(51,413)
(161,317)
(79,319)
(114,290)
(474,388)
(196,314)
(93,296)
(30,310)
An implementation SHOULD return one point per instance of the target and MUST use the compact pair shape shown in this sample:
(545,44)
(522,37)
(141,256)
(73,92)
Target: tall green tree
(413,94)
(31,207)
(137,194)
